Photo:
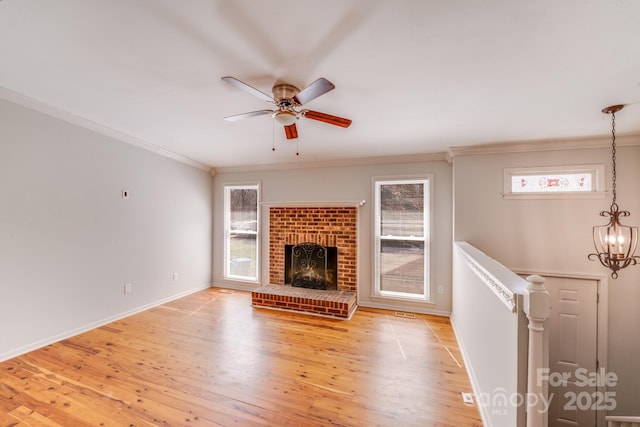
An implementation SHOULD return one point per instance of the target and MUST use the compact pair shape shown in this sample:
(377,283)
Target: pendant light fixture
(615,243)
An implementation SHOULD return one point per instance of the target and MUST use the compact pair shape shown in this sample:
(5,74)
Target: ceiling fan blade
(327,118)
(249,89)
(247,115)
(291,131)
(314,90)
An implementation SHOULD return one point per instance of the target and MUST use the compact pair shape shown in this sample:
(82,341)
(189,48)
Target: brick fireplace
(325,226)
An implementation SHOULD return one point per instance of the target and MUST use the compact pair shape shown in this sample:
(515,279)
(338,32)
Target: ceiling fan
(288,99)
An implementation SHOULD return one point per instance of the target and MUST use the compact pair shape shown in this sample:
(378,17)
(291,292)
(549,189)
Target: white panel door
(573,341)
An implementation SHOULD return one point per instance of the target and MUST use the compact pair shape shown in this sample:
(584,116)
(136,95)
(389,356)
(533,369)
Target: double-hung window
(402,232)
(241,221)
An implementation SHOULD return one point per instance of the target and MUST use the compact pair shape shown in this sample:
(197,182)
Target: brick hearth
(326,226)
(340,304)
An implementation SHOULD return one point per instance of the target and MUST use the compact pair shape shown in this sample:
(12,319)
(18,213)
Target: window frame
(377,292)
(597,172)
(228,232)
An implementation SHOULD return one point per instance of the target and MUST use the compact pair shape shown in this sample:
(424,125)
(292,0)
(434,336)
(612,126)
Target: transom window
(402,228)
(241,232)
(546,182)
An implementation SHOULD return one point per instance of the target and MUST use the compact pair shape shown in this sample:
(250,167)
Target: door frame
(602,284)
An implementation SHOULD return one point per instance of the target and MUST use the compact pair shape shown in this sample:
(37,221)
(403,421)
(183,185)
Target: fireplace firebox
(312,266)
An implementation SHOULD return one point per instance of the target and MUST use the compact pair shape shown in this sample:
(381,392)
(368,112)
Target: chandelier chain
(613,155)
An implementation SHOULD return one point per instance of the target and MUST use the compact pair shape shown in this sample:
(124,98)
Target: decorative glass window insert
(402,229)
(557,180)
(241,232)
(551,183)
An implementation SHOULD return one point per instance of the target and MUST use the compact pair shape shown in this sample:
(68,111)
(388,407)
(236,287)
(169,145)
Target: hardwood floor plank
(210,359)
(31,418)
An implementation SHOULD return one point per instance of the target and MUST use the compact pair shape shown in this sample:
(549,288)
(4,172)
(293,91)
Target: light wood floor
(210,359)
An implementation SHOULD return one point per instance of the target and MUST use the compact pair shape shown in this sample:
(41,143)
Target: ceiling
(415,76)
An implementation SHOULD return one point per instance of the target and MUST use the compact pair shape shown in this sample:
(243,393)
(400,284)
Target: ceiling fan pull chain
(273,136)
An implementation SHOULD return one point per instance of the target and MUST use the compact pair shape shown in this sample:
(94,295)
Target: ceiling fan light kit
(285,117)
(288,99)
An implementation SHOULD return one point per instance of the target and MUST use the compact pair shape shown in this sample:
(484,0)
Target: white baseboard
(400,307)
(236,285)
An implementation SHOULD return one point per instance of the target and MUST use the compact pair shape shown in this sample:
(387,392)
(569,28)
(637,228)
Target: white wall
(554,236)
(69,242)
(491,337)
(347,183)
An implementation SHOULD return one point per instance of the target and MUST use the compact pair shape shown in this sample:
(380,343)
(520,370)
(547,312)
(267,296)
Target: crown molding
(50,110)
(364,161)
(627,140)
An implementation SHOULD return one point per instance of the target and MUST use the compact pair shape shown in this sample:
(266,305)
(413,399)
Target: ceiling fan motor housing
(284,94)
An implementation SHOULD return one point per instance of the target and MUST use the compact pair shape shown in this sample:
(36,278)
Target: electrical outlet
(128,288)
(175,276)
(441,289)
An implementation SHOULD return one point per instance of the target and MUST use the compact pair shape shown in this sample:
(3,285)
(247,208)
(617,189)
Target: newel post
(537,307)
